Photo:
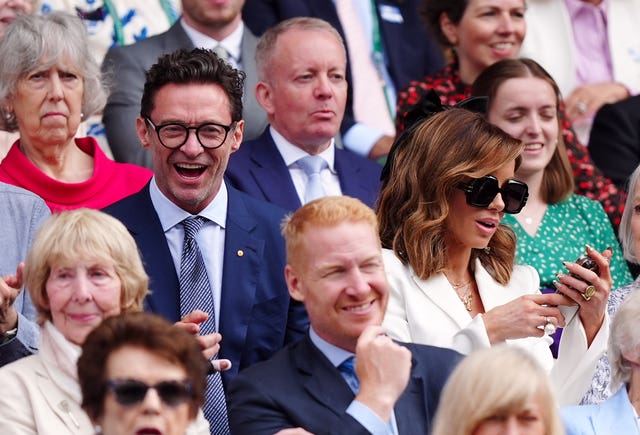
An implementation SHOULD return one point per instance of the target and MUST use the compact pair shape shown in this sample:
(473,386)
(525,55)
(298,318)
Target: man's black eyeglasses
(480,192)
(129,392)
(173,135)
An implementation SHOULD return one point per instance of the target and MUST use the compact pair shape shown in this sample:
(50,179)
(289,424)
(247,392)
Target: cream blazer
(550,41)
(430,312)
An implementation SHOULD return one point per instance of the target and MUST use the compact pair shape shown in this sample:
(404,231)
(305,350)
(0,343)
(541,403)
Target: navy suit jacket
(127,66)
(257,316)
(411,50)
(258,169)
(300,387)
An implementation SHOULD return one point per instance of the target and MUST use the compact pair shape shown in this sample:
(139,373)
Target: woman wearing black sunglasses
(140,374)
(450,261)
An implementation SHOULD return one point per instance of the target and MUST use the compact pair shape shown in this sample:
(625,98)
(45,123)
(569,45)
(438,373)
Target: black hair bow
(428,105)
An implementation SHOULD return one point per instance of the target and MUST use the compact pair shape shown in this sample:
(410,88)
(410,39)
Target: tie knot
(192,225)
(347,366)
(220,51)
(312,164)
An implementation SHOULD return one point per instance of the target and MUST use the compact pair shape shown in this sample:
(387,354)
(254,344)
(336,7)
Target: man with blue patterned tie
(303,89)
(346,376)
(205,245)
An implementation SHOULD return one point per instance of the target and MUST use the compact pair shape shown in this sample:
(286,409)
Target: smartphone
(588,263)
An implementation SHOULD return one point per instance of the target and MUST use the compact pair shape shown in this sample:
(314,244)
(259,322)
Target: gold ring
(589,292)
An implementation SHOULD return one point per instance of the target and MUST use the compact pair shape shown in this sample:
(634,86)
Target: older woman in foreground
(498,390)
(140,374)
(83,267)
(618,414)
(49,83)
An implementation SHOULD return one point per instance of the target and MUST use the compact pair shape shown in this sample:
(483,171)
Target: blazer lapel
(321,380)
(409,410)
(348,169)
(143,223)
(242,253)
(272,175)
(438,289)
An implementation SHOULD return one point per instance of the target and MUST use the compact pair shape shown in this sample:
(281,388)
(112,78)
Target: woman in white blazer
(450,262)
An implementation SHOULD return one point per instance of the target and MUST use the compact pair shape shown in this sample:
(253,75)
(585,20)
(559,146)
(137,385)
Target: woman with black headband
(450,261)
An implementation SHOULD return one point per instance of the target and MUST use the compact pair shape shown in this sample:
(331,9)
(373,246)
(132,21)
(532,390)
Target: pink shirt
(591,37)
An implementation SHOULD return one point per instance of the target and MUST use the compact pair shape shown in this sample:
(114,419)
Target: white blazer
(430,312)
(549,41)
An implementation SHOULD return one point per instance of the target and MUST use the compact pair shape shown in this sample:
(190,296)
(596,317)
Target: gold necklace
(468,297)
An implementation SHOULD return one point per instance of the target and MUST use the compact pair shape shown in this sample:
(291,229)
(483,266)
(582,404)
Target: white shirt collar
(171,215)
(291,153)
(232,43)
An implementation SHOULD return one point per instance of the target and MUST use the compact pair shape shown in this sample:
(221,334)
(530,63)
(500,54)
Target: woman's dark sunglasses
(129,392)
(480,192)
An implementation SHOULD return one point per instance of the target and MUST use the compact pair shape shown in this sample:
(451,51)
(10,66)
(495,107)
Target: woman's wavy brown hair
(440,152)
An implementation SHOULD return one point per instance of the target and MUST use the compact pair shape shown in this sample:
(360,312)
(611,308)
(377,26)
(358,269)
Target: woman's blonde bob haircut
(438,154)
(494,382)
(68,236)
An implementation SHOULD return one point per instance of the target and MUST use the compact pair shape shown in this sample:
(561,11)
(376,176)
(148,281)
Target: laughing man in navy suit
(191,121)
(334,266)
(302,87)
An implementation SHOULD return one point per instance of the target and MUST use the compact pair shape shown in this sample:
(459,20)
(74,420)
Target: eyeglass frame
(467,188)
(157,128)
(113,384)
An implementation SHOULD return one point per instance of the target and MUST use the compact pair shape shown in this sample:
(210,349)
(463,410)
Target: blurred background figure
(555,225)
(21,215)
(217,26)
(450,260)
(590,47)
(500,390)
(138,373)
(49,82)
(614,142)
(304,116)
(618,414)
(479,33)
(83,267)
(630,236)
(387,47)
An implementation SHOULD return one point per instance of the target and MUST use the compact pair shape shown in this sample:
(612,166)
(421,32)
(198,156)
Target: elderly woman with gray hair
(616,415)
(629,234)
(49,82)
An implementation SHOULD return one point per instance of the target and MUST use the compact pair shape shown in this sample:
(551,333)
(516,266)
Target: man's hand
(10,287)
(210,343)
(383,368)
(381,148)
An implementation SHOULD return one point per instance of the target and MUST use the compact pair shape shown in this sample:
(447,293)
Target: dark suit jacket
(299,387)
(257,316)
(411,50)
(126,66)
(614,144)
(258,169)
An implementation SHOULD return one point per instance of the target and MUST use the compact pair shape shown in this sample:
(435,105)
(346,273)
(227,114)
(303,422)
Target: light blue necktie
(195,293)
(312,166)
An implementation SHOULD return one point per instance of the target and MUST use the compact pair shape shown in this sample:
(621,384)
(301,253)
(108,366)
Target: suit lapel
(349,169)
(440,292)
(272,175)
(321,380)
(144,225)
(176,38)
(242,253)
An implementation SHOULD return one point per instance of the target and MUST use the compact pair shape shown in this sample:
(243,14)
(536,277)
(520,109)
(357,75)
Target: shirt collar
(333,353)
(291,153)
(232,43)
(171,215)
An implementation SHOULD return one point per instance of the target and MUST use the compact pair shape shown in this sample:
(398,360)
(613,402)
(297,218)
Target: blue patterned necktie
(348,372)
(195,293)
(312,166)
